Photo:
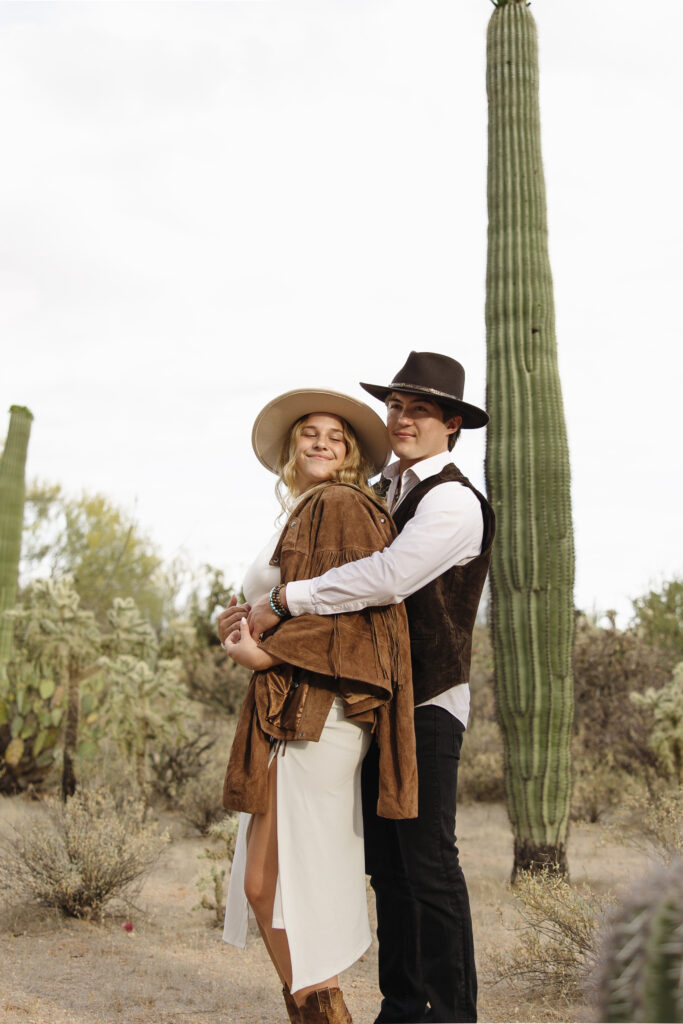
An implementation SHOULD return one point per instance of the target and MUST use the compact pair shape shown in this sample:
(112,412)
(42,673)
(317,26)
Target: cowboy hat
(273,423)
(437,377)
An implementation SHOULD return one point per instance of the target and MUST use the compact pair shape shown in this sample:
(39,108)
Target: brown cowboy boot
(292,1008)
(325,1006)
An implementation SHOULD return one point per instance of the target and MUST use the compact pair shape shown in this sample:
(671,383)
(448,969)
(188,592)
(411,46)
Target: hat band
(422,387)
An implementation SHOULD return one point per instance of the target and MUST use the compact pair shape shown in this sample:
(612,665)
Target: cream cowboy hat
(275,420)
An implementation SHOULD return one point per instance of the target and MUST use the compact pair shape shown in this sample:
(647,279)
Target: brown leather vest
(441,615)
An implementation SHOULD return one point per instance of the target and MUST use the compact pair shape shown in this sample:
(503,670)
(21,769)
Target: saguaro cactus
(527,461)
(641,970)
(12,492)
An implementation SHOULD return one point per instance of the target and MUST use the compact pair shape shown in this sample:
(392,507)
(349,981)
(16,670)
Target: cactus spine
(641,970)
(527,460)
(12,492)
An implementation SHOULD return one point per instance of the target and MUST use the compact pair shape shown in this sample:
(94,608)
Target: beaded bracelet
(275,602)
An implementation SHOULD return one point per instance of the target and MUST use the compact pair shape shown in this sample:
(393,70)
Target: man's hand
(262,617)
(229,620)
(243,649)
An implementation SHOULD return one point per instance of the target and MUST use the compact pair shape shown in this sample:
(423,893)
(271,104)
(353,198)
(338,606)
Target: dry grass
(174,969)
(81,855)
(556,950)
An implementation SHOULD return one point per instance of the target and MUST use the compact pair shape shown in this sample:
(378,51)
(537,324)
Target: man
(437,564)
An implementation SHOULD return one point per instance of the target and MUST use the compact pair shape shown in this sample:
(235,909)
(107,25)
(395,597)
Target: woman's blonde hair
(354,470)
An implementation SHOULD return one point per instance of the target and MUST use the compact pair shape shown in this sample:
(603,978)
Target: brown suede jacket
(364,657)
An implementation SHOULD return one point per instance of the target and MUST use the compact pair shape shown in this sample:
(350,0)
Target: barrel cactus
(640,977)
(12,492)
(527,460)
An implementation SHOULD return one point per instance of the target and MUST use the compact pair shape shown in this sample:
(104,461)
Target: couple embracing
(358,631)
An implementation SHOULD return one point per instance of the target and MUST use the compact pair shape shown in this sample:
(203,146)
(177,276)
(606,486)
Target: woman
(321,685)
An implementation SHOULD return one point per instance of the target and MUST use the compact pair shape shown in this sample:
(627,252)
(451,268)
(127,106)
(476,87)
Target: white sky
(205,204)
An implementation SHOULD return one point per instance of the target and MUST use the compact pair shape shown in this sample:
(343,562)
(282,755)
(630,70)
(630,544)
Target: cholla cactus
(527,462)
(12,492)
(145,701)
(666,737)
(641,972)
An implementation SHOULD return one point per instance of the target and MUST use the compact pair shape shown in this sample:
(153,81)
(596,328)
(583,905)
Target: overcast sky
(205,204)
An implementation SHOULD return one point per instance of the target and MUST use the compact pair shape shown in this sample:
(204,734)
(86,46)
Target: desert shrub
(480,775)
(82,855)
(609,665)
(651,822)
(211,677)
(555,949)
(200,798)
(215,680)
(600,785)
(482,691)
(175,762)
(211,884)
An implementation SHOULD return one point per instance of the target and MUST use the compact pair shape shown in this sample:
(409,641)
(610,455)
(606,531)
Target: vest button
(275,560)
(382,519)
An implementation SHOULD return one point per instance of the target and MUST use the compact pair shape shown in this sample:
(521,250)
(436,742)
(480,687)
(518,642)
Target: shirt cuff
(299,600)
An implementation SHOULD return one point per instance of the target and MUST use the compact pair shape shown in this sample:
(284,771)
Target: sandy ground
(173,967)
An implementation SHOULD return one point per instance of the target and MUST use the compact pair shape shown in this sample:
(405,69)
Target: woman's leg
(260,879)
(260,882)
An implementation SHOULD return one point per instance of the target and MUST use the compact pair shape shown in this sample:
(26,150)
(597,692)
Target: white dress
(320,899)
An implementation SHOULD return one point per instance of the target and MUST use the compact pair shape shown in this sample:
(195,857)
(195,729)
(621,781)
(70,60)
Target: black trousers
(426,953)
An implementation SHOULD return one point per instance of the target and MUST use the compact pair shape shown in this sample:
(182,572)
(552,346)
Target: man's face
(416,427)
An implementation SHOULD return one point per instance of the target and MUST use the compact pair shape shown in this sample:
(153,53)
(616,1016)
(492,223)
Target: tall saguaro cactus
(527,460)
(12,492)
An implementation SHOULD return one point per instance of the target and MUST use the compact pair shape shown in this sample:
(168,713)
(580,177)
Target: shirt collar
(422,469)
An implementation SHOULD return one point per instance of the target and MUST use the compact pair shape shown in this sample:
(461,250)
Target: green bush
(659,617)
(81,855)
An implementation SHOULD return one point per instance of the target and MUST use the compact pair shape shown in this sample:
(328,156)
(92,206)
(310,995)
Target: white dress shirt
(446,530)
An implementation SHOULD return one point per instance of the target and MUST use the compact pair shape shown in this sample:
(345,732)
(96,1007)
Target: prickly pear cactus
(12,492)
(640,977)
(31,713)
(527,461)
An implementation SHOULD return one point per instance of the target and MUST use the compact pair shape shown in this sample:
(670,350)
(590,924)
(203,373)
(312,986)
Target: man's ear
(453,423)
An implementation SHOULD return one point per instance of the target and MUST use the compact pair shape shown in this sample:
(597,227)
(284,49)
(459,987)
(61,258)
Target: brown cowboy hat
(434,376)
(276,419)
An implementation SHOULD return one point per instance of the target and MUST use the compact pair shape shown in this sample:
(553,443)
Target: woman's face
(320,450)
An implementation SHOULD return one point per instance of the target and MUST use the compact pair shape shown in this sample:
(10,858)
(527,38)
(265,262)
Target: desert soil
(173,968)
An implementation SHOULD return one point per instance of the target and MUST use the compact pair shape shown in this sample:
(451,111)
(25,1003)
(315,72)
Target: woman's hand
(243,649)
(229,619)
